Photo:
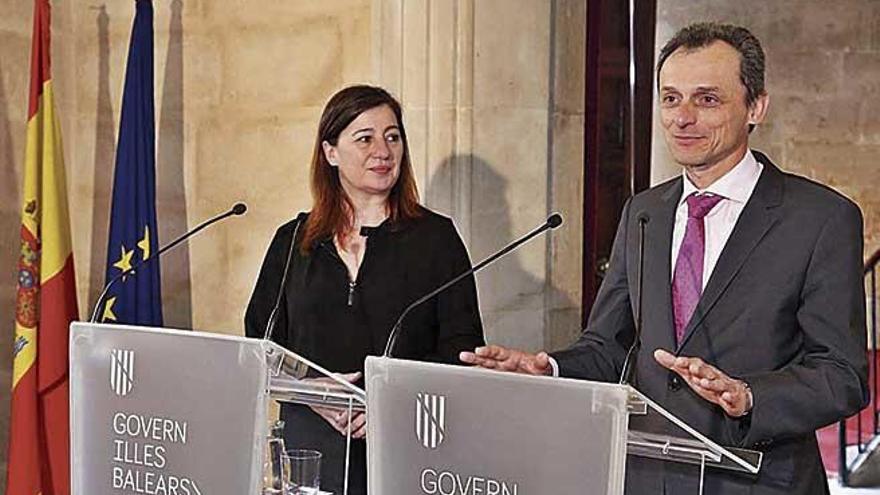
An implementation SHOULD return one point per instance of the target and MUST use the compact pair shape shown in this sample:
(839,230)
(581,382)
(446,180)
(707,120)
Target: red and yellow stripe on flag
(46,301)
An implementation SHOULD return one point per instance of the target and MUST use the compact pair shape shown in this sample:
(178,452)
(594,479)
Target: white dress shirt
(736,188)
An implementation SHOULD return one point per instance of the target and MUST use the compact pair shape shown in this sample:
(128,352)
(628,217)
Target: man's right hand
(496,357)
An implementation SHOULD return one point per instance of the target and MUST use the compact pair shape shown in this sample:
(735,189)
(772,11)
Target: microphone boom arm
(632,355)
(552,222)
(237,209)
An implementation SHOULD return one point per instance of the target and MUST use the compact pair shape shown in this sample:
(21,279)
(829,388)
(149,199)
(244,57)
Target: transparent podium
(440,429)
(156,411)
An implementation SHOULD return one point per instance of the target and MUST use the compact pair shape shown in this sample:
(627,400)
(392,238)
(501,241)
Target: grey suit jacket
(784,310)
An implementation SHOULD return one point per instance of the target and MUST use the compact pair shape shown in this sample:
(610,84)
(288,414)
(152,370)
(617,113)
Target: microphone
(237,209)
(273,316)
(553,221)
(632,356)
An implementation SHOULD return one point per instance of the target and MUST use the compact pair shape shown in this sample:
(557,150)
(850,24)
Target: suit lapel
(657,264)
(756,219)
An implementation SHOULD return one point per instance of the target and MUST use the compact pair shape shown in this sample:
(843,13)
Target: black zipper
(352,284)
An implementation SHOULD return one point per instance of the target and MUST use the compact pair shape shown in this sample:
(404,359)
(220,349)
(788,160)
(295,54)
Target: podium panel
(438,429)
(162,411)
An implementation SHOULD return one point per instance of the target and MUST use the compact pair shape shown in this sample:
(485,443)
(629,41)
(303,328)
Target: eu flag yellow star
(108,310)
(124,263)
(144,243)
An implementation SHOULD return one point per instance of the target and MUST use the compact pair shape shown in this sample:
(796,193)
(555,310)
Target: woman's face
(368,153)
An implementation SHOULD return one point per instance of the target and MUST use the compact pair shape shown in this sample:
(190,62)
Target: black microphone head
(554,220)
(643,217)
(239,209)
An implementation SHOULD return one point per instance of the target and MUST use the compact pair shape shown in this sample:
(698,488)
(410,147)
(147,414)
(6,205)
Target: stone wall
(823,77)
(493,97)
(239,87)
(494,105)
(15,39)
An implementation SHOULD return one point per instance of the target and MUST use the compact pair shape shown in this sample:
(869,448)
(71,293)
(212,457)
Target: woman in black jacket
(363,253)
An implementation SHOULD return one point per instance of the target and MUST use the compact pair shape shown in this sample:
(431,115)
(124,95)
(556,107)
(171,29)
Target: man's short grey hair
(699,35)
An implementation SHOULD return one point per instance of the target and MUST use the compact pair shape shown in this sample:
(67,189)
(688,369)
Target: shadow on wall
(170,186)
(105,151)
(9,248)
(514,302)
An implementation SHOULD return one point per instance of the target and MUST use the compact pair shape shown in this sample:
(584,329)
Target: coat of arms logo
(121,371)
(430,419)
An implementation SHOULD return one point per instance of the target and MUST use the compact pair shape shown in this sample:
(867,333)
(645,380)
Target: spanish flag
(38,461)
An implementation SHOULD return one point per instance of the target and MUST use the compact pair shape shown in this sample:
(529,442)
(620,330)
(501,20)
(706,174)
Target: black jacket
(337,324)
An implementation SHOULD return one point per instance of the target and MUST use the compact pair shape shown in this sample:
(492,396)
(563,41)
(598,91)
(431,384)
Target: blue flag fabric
(137,298)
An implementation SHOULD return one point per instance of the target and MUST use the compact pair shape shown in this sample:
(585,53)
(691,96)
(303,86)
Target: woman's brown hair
(333,212)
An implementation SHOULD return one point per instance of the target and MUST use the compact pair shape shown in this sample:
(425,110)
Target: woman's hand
(339,419)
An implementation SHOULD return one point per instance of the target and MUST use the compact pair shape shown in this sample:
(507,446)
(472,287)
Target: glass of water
(305,471)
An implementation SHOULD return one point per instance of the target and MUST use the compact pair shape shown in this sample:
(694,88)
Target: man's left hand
(710,383)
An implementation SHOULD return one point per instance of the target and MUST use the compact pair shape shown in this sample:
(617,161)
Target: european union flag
(137,298)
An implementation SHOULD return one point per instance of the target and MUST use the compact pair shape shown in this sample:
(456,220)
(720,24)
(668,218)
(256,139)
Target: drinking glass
(305,471)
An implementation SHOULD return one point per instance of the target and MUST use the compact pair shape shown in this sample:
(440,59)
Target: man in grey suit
(753,300)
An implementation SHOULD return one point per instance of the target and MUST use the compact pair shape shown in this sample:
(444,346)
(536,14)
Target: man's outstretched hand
(496,357)
(710,383)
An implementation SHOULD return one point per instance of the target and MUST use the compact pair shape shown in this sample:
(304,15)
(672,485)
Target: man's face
(703,107)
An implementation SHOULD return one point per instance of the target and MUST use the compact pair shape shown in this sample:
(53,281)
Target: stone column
(493,97)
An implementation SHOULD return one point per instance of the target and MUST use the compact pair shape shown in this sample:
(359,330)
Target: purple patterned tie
(687,282)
